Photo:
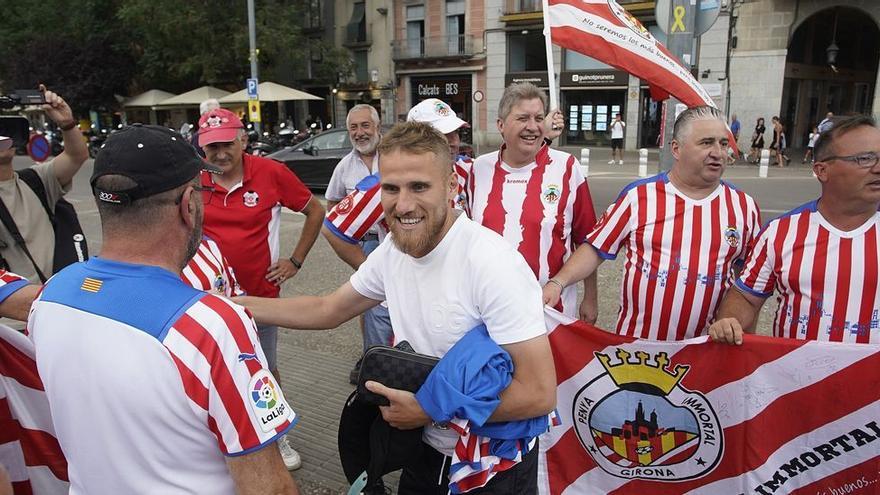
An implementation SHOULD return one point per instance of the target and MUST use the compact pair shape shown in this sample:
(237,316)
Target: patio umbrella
(270,91)
(194,97)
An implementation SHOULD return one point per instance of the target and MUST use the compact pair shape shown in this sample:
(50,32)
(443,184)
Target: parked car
(314,159)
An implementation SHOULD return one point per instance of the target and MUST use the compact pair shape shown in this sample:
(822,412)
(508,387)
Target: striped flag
(28,449)
(773,416)
(604,30)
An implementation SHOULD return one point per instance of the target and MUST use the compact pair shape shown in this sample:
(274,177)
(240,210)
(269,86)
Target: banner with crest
(773,416)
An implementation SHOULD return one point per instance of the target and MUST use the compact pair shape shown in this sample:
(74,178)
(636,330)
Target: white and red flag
(29,450)
(772,416)
(604,30)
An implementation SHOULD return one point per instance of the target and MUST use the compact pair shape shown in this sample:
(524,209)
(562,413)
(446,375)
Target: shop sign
(537,78)
(595,78)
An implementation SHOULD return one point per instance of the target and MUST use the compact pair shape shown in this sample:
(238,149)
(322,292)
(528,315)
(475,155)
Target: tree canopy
(91,50)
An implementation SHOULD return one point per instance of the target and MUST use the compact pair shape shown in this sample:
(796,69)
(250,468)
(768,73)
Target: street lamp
(832,50)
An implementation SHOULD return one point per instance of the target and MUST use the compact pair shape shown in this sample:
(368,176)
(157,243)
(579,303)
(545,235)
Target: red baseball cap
(218,126)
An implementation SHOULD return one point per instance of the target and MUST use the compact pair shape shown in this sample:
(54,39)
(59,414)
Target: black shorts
(617,144)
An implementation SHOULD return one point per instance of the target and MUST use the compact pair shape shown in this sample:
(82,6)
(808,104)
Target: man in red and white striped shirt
(821,258)
(534,196)
(155,387)
(209,271)
(685,232)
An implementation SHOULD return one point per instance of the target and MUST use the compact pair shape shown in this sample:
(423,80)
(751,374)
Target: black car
(314,159)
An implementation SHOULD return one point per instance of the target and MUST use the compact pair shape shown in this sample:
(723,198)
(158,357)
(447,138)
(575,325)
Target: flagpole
(548,44)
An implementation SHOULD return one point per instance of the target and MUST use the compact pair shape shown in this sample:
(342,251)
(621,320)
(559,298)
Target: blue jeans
(377,321)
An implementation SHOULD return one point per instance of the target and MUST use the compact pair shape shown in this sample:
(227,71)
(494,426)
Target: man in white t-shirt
(442,275)
(617,127)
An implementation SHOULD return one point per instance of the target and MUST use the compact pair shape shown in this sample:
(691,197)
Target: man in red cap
(243,215)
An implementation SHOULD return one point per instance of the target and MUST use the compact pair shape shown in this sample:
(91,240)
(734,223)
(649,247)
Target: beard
(421,241)
(195,238)
(370,147)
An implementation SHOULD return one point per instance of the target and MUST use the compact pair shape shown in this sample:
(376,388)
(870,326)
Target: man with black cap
(243,215)
(155,387)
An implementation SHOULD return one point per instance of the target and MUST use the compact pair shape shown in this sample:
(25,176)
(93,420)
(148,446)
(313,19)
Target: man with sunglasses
(821,258)
(243,215)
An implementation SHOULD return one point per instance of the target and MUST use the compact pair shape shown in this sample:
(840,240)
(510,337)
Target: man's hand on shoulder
(405,412)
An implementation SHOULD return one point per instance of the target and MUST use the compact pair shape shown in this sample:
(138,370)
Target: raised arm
(309,312)
(68,163)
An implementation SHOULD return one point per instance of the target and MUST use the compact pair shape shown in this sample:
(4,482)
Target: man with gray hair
(534,196)
(362,123)
(242,214)
(686,232)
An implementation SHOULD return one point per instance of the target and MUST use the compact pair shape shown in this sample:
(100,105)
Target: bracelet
(67,127)
(297,264)
(557,282)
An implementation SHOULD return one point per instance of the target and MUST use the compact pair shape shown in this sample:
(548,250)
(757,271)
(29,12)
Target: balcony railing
(455,46)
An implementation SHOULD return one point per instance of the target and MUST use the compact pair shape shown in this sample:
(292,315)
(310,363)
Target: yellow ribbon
(677,24)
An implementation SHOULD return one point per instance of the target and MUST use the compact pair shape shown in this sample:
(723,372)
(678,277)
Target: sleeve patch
(267,402)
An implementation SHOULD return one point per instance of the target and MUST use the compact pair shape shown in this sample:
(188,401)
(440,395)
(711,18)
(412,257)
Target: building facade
(759,58)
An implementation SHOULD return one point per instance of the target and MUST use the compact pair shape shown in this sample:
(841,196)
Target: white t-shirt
(617,129)
(473,276)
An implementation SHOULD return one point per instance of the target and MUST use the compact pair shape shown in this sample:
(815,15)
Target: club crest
(345,205)
(551,193)
(731,235)
(637,421)
(630,21)
(251,198)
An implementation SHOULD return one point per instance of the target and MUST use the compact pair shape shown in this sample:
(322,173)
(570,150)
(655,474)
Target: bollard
(585,161)
(765,163)
(643,162)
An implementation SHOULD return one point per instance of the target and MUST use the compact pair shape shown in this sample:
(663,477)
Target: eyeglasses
(198,188)
(5,144)
(862,160)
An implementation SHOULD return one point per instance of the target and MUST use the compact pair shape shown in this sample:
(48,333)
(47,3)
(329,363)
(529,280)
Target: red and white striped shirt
(825,279)
(209,271)
(680,253)
(357,213)
(176,380)
(543,209)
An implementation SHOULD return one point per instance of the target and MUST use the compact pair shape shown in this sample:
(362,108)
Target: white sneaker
(620,162)
(292,460)
(611,162)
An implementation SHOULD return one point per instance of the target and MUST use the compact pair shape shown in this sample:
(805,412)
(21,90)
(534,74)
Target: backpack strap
(32,179)
(9,223)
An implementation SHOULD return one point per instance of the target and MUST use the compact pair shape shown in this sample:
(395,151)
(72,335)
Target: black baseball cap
(157,158)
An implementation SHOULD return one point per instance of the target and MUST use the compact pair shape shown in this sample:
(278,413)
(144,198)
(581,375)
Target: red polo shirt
(246,220)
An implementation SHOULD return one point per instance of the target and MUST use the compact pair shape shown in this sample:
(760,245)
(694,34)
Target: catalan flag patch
(91,285)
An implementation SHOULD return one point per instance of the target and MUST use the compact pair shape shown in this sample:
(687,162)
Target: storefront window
(589,113)
(454,90)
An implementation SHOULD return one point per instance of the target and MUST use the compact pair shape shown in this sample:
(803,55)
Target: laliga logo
(637,421)
(264,394)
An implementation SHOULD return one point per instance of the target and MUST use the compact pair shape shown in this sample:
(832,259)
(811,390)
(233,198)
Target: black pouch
(396,367)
